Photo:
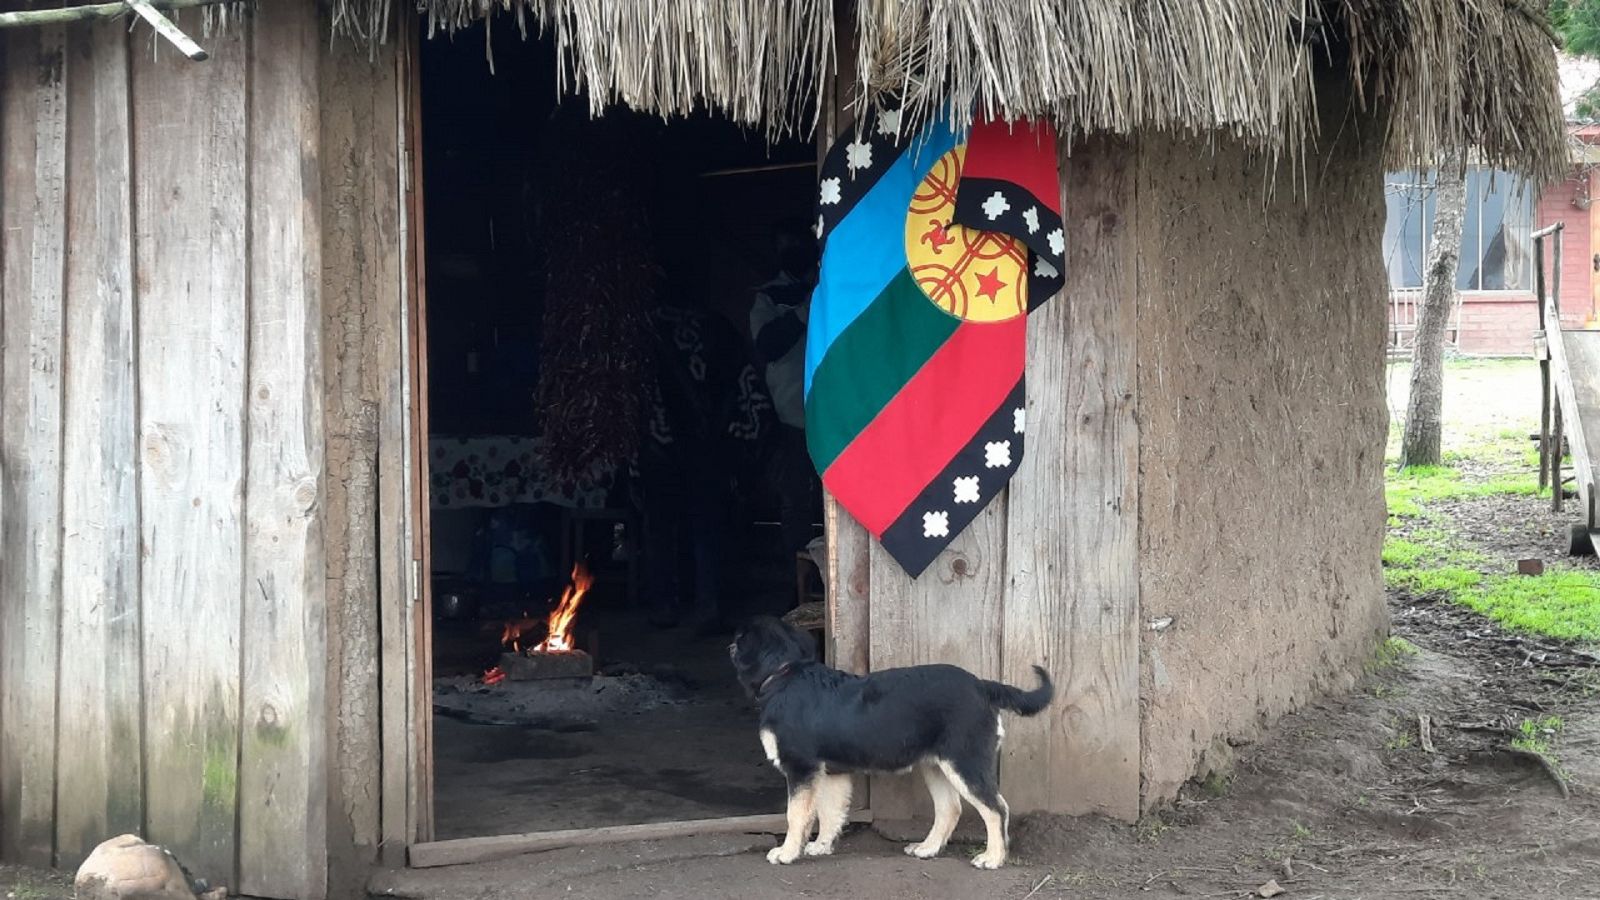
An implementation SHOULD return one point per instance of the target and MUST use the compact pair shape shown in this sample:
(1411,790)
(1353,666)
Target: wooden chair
(574,528)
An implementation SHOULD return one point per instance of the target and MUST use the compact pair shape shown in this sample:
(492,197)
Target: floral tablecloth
(499,470)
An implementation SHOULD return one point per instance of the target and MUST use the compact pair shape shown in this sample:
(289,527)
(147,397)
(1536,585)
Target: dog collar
(782,671)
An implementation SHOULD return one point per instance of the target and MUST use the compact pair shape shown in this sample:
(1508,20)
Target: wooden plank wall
(100,556)
(367,553)
(1048,573)
(1072,598)
(31,389)
(162,638)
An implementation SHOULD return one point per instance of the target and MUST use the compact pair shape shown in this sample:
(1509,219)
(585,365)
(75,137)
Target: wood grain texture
(462,851)
(31,403)
(190,213)
(419,816)
(361,302)
(849,623)
(282,770)
(406,700)
(99,766)
(1072,604)
(849,590)
(949,614)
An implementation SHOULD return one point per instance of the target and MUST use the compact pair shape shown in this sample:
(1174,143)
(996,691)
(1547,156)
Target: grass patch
(1391,652)
(1399,553)
(1560,604)
(1448,579)
(1408,491)
(1534,735)
(1395,649)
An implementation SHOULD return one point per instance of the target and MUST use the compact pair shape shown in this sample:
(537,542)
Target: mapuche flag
(934,248)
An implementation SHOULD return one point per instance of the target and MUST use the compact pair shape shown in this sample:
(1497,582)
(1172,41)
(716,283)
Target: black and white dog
(819,725)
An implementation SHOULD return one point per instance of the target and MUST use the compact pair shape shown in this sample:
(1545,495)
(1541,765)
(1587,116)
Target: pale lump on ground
(127,868)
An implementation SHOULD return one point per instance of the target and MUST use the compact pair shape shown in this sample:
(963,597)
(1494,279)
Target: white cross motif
(995,205)
(967,489)
(889,122)
(1019,419)
(1043,269)
(997,454)
(1032,218)
(830,191)
(935,524)
(1058,244)
(858,155)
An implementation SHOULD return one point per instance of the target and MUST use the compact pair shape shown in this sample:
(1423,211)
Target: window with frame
(1496,233)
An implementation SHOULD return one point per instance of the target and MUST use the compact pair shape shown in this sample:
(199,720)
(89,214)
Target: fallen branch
(1042,882)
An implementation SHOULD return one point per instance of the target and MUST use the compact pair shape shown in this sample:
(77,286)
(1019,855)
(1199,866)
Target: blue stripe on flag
(867,250)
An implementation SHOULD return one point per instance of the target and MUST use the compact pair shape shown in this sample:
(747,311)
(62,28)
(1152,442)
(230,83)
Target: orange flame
(511,635)
(560,633)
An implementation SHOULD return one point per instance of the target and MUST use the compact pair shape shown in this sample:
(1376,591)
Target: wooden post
(99,773)
(1544,366)
(33,241)
(193,327)
(1555,456)
(1554,451)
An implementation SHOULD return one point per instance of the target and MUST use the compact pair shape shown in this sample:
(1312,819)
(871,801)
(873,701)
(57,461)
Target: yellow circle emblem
(980,276)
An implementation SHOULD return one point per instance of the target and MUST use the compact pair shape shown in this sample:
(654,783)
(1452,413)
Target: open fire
(554,657)
(558,627)
(558,638)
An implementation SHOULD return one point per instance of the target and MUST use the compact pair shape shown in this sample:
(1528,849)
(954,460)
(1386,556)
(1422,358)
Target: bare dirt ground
(1408,787)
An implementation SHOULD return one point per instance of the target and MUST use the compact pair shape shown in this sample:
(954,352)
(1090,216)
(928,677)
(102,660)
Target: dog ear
(805,645)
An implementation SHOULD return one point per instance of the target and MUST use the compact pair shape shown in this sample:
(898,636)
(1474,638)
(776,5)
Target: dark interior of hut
(612,483)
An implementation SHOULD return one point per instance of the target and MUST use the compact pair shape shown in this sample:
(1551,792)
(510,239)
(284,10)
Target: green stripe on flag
(869,363)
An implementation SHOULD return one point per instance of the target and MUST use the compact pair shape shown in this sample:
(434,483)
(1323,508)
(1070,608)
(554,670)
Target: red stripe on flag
(928,422)
(1023,153)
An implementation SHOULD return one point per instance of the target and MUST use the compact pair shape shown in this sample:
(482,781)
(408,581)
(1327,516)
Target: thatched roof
(1451,75)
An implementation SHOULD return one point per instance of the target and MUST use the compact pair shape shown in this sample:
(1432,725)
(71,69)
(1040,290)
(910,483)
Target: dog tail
(1017,700)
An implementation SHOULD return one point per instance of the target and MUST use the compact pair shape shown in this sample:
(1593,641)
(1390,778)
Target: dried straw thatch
(1451,75)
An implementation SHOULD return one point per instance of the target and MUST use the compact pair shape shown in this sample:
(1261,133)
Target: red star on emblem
(989,285)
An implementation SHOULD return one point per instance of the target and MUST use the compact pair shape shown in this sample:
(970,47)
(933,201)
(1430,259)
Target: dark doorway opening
(598,407)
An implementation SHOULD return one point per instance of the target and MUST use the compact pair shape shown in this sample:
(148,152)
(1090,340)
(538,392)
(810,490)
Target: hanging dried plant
(600,275)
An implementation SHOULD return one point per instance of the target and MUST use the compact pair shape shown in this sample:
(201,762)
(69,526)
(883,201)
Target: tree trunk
(1420,446)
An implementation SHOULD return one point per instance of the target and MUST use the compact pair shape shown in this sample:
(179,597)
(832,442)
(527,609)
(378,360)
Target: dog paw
(923,850)
(989,860)
(818,848)
(781,856)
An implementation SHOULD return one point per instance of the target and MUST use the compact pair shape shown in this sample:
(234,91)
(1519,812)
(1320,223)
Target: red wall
(1503,323)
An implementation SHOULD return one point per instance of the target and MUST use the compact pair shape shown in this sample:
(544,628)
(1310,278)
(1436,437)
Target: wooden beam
(282,846)
(33,204)
(192,228)
(484,849)
(166,29)
(359,163)
(94,11)
(99,769)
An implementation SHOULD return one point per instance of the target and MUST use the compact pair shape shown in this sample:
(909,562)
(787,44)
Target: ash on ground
(555,704)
